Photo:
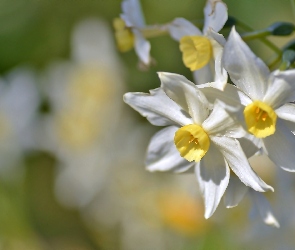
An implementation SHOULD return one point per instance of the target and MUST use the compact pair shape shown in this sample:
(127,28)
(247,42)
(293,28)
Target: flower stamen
(193,139)
(261,114)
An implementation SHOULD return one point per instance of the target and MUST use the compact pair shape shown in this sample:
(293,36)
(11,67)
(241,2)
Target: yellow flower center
(76,130)
(192,142)
(91,87)
(260,119)
(124,36)
(196,51)
(88,108)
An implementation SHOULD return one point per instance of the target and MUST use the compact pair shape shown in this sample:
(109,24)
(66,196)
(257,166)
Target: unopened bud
(281,29)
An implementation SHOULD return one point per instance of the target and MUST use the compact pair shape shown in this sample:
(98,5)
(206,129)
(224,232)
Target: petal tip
(208,214)
(266,188)
(271,221)
(148,168)
(231,206)
(234,34)
(126,96)
(160,73)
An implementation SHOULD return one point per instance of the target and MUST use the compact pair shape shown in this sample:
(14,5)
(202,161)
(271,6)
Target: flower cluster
(213,127)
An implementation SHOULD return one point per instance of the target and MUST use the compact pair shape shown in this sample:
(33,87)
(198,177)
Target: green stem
(273,63)
(261,36)
(154,31)
(255,35)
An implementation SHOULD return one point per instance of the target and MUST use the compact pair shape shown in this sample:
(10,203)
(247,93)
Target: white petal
(19,100)
(236,159)
(92,40)
(159,109)
(222,123)
(215,13)
(280,147)
(142,47)
(186,94)
(213,175)
(247,71)
(132,13)
(287,112)
(181,27)
(231,95)
(218,42)
(291,126)
(219,38)
(162,154)
(262,205)
(244,99)
(235,192)
(250,144)
(281,88)
(203,75)
(220,73)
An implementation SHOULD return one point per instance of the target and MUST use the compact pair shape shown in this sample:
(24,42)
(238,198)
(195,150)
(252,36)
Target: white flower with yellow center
(128,31)
(84,97)
(202,51)
(266,99)
(195,138)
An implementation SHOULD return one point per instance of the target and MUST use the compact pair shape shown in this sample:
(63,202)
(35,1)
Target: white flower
(194,138)
(84,96)
(199,48)
(19,102)
(128,31)
(266,99)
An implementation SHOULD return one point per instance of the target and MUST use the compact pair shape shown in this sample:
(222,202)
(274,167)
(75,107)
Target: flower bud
(281,29)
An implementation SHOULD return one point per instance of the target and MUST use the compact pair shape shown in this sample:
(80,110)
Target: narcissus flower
(200,49)
(266,99)
(83,94)
(195,139)
(128,31)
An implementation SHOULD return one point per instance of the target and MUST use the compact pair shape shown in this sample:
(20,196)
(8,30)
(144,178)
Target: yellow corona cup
(192,142)
(260,119)
(124,36)
(196,51)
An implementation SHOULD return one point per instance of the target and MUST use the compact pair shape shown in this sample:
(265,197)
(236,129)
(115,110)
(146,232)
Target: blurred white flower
(202,140)
(266,99)
(85,100)
(199,48)
(236,191)
(19,101)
